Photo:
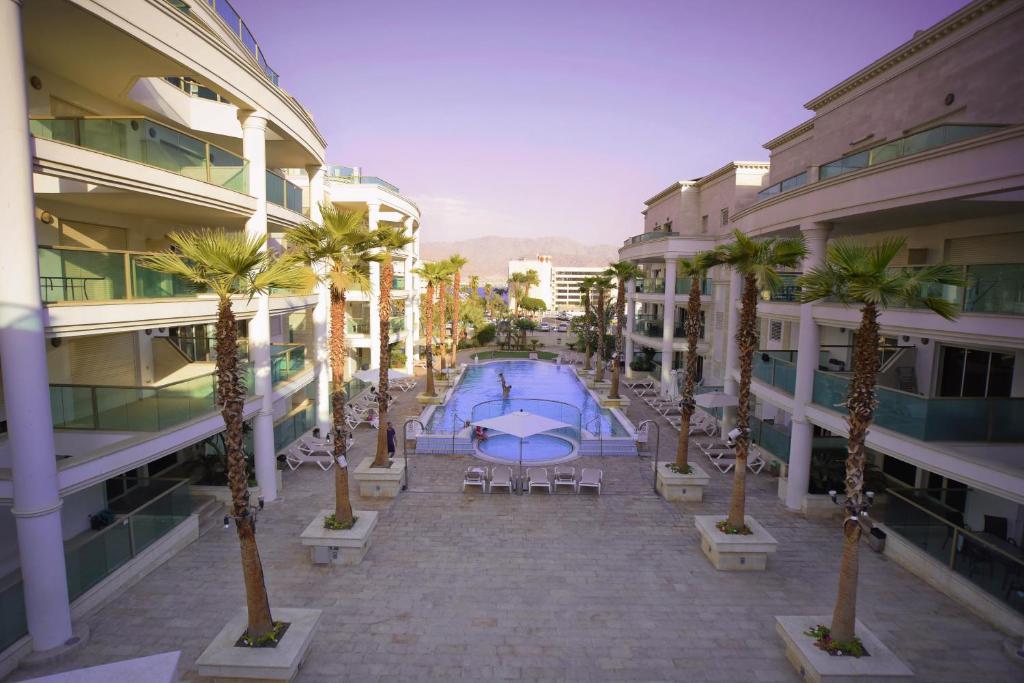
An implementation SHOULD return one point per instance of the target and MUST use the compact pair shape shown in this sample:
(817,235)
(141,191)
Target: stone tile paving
(466,586)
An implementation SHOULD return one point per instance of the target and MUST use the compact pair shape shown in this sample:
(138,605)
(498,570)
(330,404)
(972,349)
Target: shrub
(485,335)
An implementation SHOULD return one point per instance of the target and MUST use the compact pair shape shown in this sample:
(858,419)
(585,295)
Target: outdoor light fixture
(252,510)
(766,295)
(832,494)
(733,435)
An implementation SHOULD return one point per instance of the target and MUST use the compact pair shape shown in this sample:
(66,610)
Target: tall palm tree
(456,261)
(586,285)
(602,283)
(432,273)
(474,287)
(388,240)
(696,269)
(530,278)
(518,289)
(755,260)
(341,242)
(860,275)
(441,308)
(488,295)
(230,264)
(622,271)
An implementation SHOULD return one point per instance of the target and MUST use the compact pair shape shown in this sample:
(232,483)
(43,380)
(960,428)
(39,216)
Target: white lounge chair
(475,476)
(501,477)
(565,475)
(724,464)
(590,477)
(537,477)
(294,456)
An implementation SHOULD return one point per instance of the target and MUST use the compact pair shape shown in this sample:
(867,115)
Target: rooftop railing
(650,235)
(283,192)
(233,20)
(76,274)
(147,142)
(790,183)
(363,180)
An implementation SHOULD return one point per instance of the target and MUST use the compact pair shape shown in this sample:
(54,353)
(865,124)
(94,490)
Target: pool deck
(468,586)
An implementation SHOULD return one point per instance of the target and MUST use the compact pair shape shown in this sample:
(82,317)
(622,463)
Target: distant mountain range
(489,256)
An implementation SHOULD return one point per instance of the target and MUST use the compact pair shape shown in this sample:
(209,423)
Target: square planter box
(686,487)
(621,402)
(425,400)
(339,547)
(379,482)
(222,661)
(817,666)
(735,552)
(603,384)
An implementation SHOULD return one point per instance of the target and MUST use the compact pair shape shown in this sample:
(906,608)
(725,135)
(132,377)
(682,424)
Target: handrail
(405,445)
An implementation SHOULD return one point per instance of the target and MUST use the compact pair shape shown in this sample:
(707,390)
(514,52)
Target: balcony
(654,326)
(234,22)
(283,193)
(194,89)
(651,235)
(790,183)
(683,286)
(397,324)
(770,437)
(901,147)
(71,274)
(776,369)
(347,174)
(295,425)
(789,292)
(286,361)
(147,142)
(997,419)
(398,283)
(357,325)
(651,285)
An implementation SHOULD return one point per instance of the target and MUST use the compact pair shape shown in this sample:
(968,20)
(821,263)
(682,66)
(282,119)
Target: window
(704,223)
(725,217)
(974,372)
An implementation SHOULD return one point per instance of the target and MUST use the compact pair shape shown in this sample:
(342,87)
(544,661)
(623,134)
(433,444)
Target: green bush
(485,335)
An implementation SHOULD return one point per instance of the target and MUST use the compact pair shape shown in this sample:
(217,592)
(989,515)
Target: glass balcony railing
(776,368)
(683,286)
(292,427)
(789,292)
(234,22)
(995,289)
(654,326)
(770,437)
(194,89)
(72,274)
(651,285)
(283,193)
(398,282)
(901,147)
(286,361)
(147,142)
(993,564)
(397,324)
(650,235)
(791,183)
(996,419)
(13,621)
(347,175)
(357,326)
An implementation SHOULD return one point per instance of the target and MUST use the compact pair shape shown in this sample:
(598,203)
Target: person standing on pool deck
(391,441)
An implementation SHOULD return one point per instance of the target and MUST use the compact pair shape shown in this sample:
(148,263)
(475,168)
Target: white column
(808,347)
(254,133)
(373,216)
(410,299)
(627,346)
(669,326)
(731,351)
(322,312)
(37,499)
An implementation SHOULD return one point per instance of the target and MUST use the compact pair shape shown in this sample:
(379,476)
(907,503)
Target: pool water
(529,380)
(539,448)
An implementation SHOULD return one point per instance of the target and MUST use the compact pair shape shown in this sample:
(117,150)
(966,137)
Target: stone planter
(603,385)
(685,487)
(339,547)
(379,482)
(621,402)
(222,661)
(735,552)
(817,666)
(425,400)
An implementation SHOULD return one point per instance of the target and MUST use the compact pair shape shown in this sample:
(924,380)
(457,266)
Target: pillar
(730,385)
(373,216)
(627,345)
(254,134)
(321,313)
(37,500)
(669,327)
(808,348)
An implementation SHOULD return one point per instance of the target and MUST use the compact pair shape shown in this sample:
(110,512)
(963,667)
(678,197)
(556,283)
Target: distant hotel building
(559,287)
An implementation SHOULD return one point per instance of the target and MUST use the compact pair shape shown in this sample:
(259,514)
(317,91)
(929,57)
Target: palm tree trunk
(439,319)
(746,339)
(586,338)
(342,502)
(620,313)
(860,403)
(601,326)
(429,327)
(455,316)
(231,397)
(686,404)
(387,276)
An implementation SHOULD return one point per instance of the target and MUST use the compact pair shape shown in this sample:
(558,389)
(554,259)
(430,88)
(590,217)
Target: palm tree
(389,240)
(696,269)
(474,287)
(441,310)
(622,271)
(456,262)
(432,274)
(229,264)
(530,278)
(518,288)
(586,285)
(341,243)
(755,261)
(602,283)
(488,294)
(860,275)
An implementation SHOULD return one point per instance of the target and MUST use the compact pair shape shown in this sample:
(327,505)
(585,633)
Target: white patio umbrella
(521,424)
(716,399)
(373,375)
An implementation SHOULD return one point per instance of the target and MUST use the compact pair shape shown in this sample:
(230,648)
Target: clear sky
(559,117)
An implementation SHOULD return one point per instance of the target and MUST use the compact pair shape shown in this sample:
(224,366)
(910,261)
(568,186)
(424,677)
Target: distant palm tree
(488,294)
(585,286)
(233,264)
(441,313)
(518,289)
(530,278)
(755,260)
(602,283)
(860,275)
(341,242)
(696,269)
(389,240)
(457,262)
(622,271)
(432,273)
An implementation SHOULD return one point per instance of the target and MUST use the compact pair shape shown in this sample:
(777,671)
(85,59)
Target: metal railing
(233,20)
(650,235)
(790,183)
(148,142)
(286,361)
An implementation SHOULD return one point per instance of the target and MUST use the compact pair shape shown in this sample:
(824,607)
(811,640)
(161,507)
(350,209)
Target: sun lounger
(537,476)
(590,477)
(475,476)
(565,475)
(294,456)
(501,478)
(723,464)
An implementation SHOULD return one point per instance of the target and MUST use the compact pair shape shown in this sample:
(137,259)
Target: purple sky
(560,117)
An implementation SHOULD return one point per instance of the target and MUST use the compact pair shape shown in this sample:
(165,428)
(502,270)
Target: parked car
(545,327)
(563,327)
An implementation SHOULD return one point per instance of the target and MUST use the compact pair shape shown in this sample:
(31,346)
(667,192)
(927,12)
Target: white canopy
(716,399)
(520,423)
(373,375)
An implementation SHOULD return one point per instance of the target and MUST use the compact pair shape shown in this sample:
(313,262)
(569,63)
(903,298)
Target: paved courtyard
(466,586)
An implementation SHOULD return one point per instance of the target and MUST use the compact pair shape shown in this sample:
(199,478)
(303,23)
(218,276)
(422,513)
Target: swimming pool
(529,380)
(539,448)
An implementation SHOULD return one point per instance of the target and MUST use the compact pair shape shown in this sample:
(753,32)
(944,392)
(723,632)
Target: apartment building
(559,286)
(110,436)
(926,143)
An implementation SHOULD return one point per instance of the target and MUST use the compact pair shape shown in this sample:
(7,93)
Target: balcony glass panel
(397,324)
(786,185)
(275,188)
(995,289)
(91,560)
(292,427)
(776,368)
(229,170)
(155,519)
(13,623)
(149,284)
(771,437)
(286,361)
(228,14)
(398,282)
(683,286)
(293,197)
(651,235)
(81,275)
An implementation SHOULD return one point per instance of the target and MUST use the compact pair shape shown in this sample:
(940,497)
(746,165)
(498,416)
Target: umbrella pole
(520,465)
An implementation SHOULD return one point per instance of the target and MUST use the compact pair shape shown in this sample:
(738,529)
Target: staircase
(210,511)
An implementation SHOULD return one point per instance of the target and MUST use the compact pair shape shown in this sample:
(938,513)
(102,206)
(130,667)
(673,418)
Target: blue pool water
(539,448)
(529,380)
